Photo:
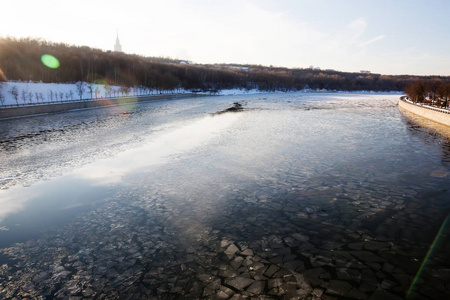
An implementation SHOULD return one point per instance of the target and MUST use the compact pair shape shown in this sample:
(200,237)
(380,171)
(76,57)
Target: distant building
(117,46)
(364,72)
(311,67)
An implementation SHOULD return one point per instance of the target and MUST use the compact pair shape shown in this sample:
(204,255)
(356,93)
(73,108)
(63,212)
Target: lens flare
(2,76)
(430,251)
(50,61)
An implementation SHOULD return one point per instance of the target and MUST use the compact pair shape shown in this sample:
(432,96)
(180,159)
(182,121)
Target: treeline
(20,59)
(431,92)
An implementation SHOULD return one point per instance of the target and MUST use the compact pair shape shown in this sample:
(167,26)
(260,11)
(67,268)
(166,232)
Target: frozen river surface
(297,196)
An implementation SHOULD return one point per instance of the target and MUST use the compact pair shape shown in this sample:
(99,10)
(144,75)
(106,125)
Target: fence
(26,110)
(83,100)
(442,110)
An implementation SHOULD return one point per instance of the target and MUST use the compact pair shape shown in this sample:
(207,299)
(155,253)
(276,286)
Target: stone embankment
(12,112)
(435,114)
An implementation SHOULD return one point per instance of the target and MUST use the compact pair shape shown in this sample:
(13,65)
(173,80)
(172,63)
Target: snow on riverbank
(15,93)
(239,92)
(28,93)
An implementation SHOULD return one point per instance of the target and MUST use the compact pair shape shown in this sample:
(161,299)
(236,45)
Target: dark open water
(299,196)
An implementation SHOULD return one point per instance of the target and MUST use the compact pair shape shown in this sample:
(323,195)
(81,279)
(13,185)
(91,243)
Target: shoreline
(438,115)
(44,108)
(415,113)
(24,111)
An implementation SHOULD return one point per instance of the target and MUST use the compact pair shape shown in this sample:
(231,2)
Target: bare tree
(30,97)
(107,90)
(432,87)
(37,96)
(71,95)
(15,93)
(444,92)
(90,87)
(416,90)
(125,90)
(80,88)
(24,97)
(2,97)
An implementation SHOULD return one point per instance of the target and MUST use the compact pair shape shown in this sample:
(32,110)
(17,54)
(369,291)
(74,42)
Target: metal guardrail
(442,110)
(89,100)
(44,103)
(74,101)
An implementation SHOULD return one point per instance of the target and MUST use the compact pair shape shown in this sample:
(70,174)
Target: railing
(77,100)
(442,110)
(46,103)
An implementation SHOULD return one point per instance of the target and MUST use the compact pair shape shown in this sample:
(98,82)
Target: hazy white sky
(383,36)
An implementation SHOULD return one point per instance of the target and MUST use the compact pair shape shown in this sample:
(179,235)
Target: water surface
(299,196)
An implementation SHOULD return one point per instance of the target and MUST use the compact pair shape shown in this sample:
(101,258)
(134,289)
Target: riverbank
(12,112)
(438,115)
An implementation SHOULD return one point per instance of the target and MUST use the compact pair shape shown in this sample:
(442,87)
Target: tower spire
(118,46)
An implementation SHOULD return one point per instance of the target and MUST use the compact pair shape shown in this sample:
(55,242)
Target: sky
(382,36)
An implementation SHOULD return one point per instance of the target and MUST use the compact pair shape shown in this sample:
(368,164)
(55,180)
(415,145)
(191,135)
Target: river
(299,195)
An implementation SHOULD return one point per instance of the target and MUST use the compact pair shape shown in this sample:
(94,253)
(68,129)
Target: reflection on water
(86,184)
(156,150)
(332,196)
(417,123)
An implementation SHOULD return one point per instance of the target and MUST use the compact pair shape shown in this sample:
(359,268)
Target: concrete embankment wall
(430,113)
(12,112)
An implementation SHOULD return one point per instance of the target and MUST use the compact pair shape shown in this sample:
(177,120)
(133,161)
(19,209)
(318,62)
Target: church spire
(117,46)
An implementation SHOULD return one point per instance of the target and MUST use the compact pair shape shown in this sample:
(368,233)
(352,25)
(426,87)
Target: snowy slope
(29,93)
(37,93)
(34,93)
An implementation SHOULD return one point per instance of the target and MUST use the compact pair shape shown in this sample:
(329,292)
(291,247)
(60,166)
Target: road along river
(299,195)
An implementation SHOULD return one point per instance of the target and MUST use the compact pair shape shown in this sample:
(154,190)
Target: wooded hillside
(20,59)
